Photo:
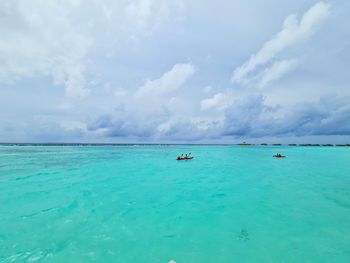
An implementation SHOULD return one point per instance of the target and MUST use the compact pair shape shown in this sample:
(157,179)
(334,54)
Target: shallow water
(137,204)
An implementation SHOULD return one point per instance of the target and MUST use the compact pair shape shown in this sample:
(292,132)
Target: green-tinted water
(137,204)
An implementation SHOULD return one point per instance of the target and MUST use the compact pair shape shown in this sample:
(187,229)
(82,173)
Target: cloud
(159,128)
(219,101)
(122,123)
(293,32)
(147,14)
(171,80)
(248,117)
(149,110)
(245,116)
(51,39)
(187,129)
(328,116)
(251,117)
(40,39)
(276,71)
(116,54)
(50,130)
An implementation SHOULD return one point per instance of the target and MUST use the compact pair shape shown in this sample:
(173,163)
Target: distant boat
(279,156)
(179,158)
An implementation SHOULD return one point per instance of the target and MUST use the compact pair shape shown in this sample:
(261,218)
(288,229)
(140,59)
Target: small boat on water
(179,158)
(279,156)
(184,157)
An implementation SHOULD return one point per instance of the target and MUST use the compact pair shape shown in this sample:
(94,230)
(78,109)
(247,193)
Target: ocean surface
(129,204)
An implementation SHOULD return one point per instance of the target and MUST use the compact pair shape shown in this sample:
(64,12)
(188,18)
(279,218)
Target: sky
(152,71)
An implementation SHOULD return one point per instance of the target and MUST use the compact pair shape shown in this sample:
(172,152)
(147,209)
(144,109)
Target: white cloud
(293,32)
(144,12)
(40,39)
(56,40)
(219,101)
(276,71)
(170,81)
(154,109)
(112,47)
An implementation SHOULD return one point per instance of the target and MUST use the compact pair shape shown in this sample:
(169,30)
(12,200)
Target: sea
(136,203)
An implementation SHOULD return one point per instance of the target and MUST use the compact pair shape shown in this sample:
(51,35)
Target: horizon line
(145,144)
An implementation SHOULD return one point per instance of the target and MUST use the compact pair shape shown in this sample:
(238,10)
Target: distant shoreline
(170,144)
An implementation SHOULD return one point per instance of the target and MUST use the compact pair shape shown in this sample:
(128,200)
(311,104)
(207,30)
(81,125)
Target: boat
(179,158)
(279,156)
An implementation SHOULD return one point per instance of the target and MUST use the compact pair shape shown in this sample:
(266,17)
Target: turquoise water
(137,204)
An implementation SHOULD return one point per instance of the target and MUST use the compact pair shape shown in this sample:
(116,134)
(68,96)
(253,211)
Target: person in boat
(186,157)
(181,157)
(189,156)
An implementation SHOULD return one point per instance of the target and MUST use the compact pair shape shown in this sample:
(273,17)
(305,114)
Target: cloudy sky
(175,71)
